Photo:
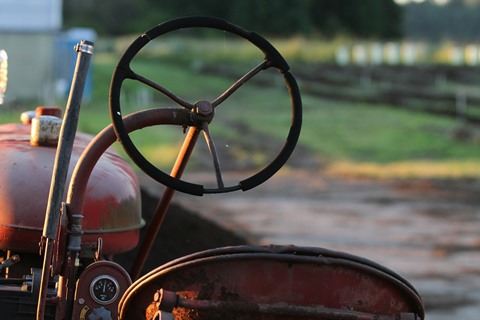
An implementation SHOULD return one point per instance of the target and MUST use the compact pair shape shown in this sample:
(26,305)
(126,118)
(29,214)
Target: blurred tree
(458,20)
(106,17)
(182,8)
(280,17)
(366,18)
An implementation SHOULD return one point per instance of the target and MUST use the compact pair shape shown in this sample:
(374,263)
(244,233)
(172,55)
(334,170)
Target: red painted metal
(274,283)
(48,111)
(112,200)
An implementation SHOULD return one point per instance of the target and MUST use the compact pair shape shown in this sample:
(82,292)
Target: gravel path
(428,231)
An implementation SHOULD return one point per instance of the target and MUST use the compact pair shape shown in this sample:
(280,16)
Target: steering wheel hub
(202,112)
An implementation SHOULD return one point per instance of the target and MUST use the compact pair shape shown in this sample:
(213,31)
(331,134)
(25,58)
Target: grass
(379,142)
(363,132)
(351,138)
(445,169)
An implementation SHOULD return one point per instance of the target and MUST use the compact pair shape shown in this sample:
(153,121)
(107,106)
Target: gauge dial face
(104,289)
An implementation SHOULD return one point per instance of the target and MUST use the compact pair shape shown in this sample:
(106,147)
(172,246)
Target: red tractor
(91,212)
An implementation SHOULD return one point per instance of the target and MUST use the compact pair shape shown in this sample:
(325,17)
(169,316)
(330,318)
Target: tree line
(458,20)
(380,19)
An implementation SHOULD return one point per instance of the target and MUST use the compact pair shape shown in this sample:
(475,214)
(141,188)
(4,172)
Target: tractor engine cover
(112,207)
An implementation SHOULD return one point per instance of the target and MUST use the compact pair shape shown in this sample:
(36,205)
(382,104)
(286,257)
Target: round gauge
(104,289)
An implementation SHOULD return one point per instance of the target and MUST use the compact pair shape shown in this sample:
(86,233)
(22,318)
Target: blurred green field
(340,137)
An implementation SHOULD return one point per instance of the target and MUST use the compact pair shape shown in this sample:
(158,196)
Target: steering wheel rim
(272,59)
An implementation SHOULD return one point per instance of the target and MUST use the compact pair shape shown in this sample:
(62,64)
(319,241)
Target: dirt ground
(427,231)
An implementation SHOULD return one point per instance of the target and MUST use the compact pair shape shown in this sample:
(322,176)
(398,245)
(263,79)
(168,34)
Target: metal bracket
(84,46)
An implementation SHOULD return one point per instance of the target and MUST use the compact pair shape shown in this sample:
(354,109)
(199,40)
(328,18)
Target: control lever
(9,262)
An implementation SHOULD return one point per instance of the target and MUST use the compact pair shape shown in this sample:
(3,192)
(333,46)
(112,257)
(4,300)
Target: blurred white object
(3,74)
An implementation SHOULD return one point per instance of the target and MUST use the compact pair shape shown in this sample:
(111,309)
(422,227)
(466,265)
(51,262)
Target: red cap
(48,111)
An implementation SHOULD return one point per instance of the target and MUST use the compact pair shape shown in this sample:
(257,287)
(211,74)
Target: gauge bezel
(101,277)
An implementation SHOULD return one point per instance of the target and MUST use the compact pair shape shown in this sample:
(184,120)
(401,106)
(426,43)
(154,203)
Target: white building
(28,31)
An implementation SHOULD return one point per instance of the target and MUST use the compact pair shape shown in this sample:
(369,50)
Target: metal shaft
(164,203)
(61,164)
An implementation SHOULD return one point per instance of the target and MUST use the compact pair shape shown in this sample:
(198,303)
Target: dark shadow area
(183,232)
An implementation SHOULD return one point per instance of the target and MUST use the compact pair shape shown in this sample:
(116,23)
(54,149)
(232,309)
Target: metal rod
(163,90)
(214,154)
(103,140)
(61,164)
(164,203)
(67,136)
(42,295)
(167,300)
(240,82)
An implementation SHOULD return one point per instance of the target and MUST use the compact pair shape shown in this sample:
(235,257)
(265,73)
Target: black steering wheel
(202,112)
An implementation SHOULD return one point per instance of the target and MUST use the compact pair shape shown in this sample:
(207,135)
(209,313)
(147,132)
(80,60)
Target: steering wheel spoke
(240,82)
(161,89)
(202,112)
(214,154)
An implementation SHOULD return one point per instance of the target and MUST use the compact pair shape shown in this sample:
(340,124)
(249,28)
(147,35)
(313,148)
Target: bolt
(203,108)
(165,300)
